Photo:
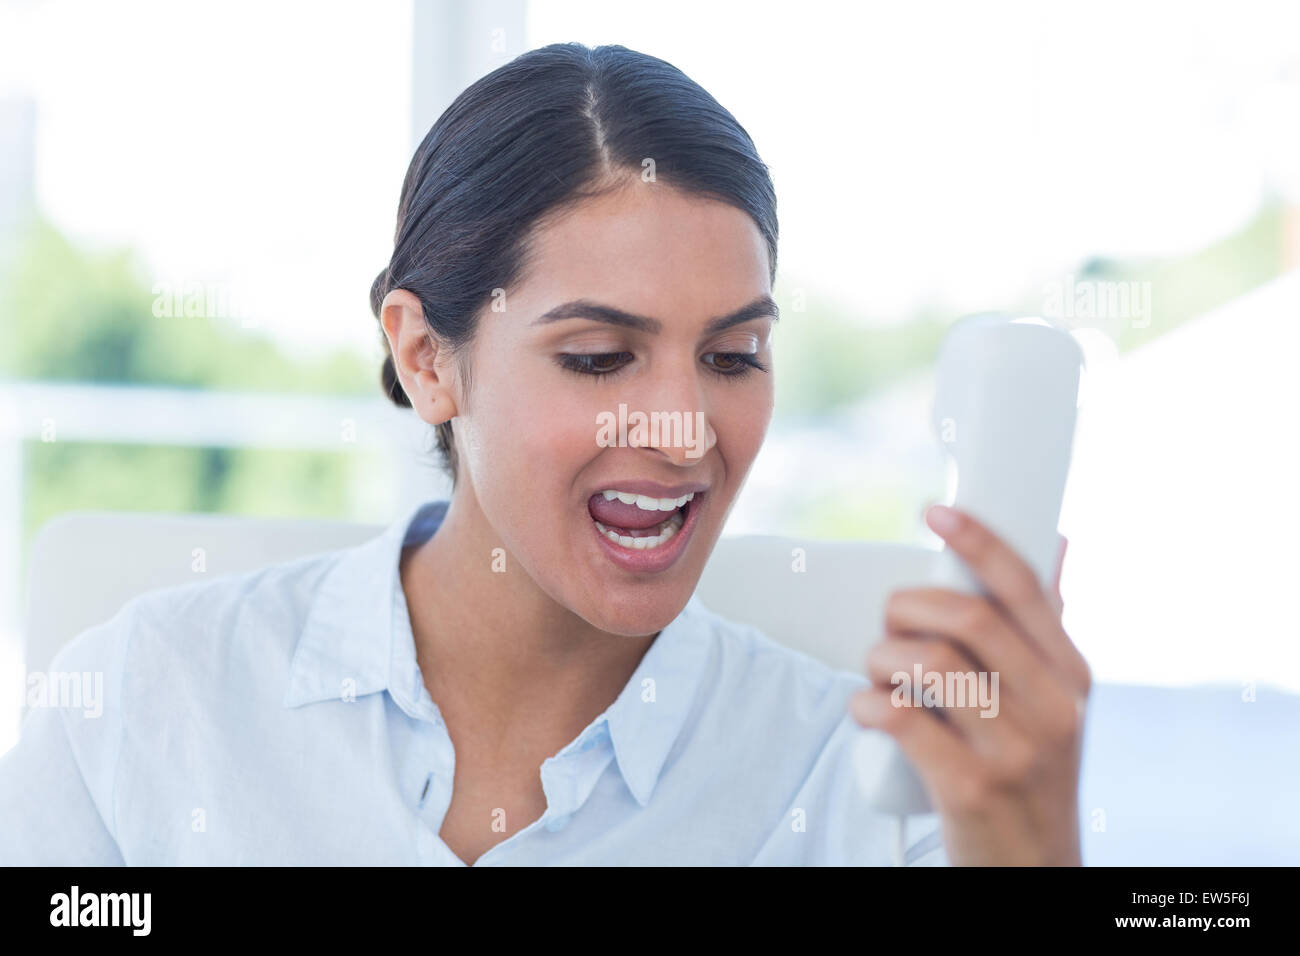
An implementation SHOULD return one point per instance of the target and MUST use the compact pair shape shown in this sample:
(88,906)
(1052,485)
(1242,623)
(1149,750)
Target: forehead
(651,249)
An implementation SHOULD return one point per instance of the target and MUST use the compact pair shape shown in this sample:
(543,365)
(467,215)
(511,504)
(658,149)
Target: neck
(497,653)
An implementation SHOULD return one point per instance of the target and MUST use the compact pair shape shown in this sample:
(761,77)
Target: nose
(678,425)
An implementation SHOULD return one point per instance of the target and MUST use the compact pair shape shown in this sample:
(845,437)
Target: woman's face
(540,438)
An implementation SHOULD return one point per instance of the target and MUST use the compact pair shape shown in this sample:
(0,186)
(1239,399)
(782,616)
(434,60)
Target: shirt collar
(648,716)
(352,644)
(344,648)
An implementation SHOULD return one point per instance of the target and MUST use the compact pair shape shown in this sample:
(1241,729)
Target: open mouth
(639,523)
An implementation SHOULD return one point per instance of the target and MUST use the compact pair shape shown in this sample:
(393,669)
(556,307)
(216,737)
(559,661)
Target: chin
(639,613)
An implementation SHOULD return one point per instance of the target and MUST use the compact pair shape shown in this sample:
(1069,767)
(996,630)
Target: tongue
(616,514)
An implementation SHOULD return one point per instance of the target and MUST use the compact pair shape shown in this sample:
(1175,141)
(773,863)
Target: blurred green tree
(72,315)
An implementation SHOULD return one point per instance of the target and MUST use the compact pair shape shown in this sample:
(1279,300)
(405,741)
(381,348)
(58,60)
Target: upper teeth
(648,504)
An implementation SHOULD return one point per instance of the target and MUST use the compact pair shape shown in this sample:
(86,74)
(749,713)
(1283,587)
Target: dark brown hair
(553,126)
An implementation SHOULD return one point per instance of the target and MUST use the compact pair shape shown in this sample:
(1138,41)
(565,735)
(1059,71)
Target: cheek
(555,435)
(527,452)
(741,422)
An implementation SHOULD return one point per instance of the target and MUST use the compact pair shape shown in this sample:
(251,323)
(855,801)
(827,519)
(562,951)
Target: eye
(598,363)
(734,364)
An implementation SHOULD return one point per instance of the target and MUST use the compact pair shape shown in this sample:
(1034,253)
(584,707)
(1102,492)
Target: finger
(1060,562)
(943,762)
(1025,680)
(1057,601)
(949,681)
(1013,584)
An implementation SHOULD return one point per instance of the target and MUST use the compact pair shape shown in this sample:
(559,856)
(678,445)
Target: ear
(423,367)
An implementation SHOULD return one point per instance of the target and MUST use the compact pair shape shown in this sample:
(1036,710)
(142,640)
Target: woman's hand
(1005,786)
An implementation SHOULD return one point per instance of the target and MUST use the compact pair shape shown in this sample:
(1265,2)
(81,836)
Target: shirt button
(557,823)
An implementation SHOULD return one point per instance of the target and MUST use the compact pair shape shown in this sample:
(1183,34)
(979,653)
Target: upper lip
(652,489)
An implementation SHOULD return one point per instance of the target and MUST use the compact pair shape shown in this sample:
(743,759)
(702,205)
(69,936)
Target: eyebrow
(761,307)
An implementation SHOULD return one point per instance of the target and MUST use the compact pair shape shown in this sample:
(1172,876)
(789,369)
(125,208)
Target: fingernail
(942,519)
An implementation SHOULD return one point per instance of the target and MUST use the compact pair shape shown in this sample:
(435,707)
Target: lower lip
(651,560)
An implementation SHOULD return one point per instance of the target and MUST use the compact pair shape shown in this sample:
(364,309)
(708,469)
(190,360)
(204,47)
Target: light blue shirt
(279,717)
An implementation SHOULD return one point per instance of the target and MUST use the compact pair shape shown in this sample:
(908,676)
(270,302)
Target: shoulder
(751,663)
(140,694)
(758,692)
(189,661)
(230,626)
(785,723)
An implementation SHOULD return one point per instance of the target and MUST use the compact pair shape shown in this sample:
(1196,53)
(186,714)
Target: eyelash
(582,364)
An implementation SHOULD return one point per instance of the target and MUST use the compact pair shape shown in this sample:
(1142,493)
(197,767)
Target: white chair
(1174,776)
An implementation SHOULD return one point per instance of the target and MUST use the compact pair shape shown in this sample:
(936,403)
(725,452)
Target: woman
(521,674)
